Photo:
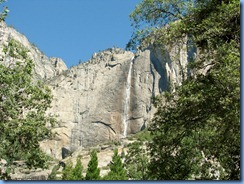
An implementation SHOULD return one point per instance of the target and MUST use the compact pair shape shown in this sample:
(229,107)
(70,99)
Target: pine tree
(93,172)
(70,173)
(67,172)
(117,170)
(77,171)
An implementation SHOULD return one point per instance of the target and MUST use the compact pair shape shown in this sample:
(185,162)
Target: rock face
(107,97)
(91,98)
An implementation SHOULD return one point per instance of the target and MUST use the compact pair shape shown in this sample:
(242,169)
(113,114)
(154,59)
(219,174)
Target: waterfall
(127,100)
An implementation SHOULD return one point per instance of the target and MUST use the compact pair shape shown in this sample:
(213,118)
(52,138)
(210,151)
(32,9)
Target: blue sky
(72,29)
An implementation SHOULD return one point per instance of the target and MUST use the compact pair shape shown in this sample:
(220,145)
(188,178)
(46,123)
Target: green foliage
(113,143)
(70,173)
(23,119)
(77,171)
(144,135)
(67,171)
(196,130)
(4,12)
(117,171)
(150,15)
(93,172)
(136,161)
(204,117)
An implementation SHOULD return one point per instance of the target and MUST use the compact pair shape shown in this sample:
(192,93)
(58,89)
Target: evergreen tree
(117,171)
(67,171)
(76,173)
(93,172)
(70,173)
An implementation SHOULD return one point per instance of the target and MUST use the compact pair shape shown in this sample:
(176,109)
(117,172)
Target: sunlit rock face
(91,98)
(106,98)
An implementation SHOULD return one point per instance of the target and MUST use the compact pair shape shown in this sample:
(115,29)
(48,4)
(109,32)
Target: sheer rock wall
(89,98)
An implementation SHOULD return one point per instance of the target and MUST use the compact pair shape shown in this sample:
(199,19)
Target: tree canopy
(23,105)
(196,129)
(136,161)
(150,16)
(23,119)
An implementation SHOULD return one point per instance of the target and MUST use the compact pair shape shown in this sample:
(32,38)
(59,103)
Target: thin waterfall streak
(127,100)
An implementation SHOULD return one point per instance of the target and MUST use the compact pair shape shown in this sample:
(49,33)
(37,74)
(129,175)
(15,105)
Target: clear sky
(72,29)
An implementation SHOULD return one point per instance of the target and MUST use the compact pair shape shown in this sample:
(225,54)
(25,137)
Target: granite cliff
(106,98)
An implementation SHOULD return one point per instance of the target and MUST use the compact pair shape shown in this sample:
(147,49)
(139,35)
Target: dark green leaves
(136,161)
(23,108)
(196,130)
(149,15)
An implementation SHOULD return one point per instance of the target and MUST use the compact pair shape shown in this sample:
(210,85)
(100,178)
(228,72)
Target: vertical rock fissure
(127,99)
